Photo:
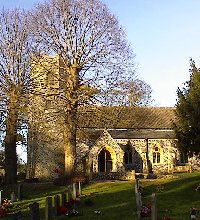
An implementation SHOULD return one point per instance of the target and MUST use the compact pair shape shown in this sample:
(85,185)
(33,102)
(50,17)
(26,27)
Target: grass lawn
(116,200)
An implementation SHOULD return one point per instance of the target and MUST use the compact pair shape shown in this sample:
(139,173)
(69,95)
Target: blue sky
(164,35)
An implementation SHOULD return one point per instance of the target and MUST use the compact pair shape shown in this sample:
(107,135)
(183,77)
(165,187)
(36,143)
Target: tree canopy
(187,124)
(15,56)
(93,53)
(94,60)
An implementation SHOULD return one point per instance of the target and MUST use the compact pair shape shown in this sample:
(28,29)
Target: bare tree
(92,49)
(133,92)
(14,80)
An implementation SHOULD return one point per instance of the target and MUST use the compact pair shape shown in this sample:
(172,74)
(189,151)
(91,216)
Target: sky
(164,35)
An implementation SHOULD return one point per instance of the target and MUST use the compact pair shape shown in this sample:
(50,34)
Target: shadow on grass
(116,200)
(178,195)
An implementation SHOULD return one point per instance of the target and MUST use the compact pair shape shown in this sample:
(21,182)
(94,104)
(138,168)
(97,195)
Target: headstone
(20,191)
(138,199)
(34,211)
(17,216)
(139,204)
(79,188)
(48,209)
(13,197)
(69,193)
(56,204)
(153,207)
(63,199)
(1,196)
(74,190)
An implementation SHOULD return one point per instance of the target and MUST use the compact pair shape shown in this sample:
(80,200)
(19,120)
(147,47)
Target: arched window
(128,159)
(156,155)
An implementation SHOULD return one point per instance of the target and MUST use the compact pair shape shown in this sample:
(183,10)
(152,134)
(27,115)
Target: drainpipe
(149,165)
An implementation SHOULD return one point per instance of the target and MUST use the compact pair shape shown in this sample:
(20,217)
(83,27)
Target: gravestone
(34,211)
(69,193)
(79,188)
(63,199)
(17,216)
(56,204)
(13,197)
(20,191)
(48,209)
(153,207)
(1,196)
(74,190)
(138,198)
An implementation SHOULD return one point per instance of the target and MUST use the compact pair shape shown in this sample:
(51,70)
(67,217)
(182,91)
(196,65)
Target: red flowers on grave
(5,204)
(62,210)
(71,203)
(146,211)
(2,211)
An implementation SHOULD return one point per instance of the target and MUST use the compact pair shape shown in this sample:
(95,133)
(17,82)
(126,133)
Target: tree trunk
(10,143)
(71,121)
(70,145)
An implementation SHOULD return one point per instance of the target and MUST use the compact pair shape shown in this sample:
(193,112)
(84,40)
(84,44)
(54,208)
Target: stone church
(111,141)
(124,139)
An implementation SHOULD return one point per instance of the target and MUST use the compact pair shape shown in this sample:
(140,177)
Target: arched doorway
(104,161)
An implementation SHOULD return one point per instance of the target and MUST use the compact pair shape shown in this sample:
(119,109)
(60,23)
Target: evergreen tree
(187,124)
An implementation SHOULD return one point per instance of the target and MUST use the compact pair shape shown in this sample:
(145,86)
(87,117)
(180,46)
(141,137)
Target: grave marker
(79,188)
(138,199)
(69,193)
(13,197)
(1,196)
(20,191)
(48,209)
(17,216)
(34,211)
(63,199)
(56,204)
(74,190)
(153,207)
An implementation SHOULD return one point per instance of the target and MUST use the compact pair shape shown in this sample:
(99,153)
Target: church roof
(127,118)
(94,134)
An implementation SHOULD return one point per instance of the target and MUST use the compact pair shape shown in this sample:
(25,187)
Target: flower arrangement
(62,210)
(198,188)
(5,204)
(2,211)
(146,211)
(68,209)
(193,213)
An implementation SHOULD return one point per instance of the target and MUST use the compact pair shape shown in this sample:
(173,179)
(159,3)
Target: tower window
(50,78)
